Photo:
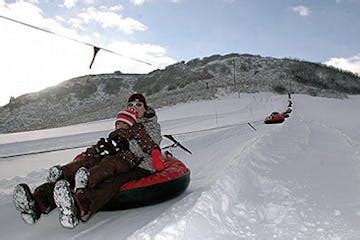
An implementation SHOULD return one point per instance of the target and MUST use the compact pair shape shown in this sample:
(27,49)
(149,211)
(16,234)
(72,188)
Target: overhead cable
(96,48)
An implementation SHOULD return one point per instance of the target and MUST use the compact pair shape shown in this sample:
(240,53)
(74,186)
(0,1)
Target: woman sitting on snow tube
(95,176)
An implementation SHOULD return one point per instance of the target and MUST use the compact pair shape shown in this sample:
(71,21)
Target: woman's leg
(69,170)
(31,205)
(91,200)
(43,196)
(110,166)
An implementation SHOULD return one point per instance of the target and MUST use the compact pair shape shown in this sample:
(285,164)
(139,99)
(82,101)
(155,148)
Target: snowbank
(297,180)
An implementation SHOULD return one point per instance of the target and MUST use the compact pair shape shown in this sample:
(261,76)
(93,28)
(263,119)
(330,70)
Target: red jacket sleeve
(156,158)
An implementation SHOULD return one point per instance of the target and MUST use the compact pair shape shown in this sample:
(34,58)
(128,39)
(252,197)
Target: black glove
(113,135)
(124,133)
(105,147)
(122,143)
(91,151)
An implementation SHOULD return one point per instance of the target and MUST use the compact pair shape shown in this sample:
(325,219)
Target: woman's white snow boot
(81,178)
(55,174)
(64,200)
(25,203)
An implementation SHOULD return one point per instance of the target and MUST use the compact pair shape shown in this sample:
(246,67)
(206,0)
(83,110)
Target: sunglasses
(135,104)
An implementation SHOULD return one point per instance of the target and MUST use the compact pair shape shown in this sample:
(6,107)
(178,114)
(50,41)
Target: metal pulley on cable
(96,50)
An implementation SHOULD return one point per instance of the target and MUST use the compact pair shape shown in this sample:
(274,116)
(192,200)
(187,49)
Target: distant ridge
(95,97)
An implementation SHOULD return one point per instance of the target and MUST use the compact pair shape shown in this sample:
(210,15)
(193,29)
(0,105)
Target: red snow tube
(274,118)
(161,186)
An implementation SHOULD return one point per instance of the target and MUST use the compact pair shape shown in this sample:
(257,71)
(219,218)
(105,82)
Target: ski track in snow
(173,223)
(92,229)
(298,180)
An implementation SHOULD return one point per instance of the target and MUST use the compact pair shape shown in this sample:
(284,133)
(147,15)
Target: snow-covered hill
(97,97)
(297,180)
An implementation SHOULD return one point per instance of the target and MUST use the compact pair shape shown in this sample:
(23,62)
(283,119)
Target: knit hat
(126,116)
(138,97)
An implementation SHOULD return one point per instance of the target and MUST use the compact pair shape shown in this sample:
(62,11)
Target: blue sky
(166,31)
(269,28)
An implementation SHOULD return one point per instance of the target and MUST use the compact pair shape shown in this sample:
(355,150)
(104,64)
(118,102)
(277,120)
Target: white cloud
(115,8)
(33,60)
(60,19)
(351,64)
(23,10)
(301,10)
(138,2)
(141,2)
(33,1)
(70,3)
(107,19)
(90,2)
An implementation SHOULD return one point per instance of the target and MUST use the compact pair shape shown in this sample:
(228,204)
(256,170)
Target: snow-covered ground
(297,180)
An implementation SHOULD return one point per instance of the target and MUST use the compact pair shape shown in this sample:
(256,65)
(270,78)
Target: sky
(163,32)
